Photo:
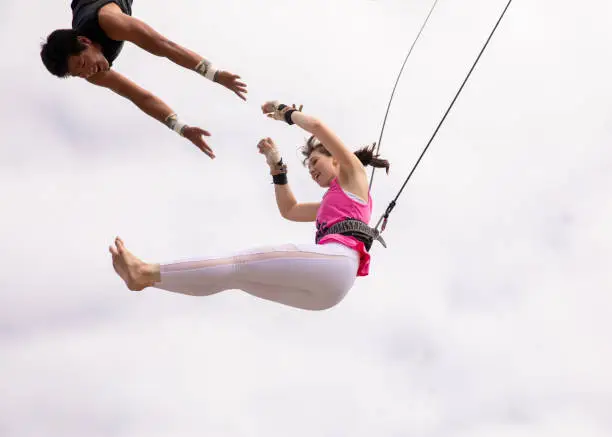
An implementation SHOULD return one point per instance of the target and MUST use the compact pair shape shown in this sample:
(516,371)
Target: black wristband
(288,116)
(280,179)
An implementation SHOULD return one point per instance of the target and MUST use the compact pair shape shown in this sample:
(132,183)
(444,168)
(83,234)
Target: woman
(307,276)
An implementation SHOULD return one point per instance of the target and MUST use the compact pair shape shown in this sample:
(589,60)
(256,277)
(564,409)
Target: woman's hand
(267,148)
(270,108)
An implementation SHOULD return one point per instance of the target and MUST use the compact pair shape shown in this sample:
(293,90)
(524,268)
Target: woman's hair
(365,154)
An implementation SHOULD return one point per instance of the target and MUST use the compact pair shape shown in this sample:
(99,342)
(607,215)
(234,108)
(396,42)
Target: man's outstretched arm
(151,105)
(122,27)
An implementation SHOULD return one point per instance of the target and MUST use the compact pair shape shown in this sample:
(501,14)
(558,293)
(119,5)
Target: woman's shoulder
(355,181)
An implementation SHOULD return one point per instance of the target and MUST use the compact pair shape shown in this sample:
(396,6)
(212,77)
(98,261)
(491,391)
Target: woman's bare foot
(136,274)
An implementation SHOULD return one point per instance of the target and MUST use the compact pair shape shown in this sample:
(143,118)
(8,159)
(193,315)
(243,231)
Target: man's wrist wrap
(206,69)
(173,123)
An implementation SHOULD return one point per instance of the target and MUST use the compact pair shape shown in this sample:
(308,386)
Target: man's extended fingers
(201,144)
(204,148)
(201,131)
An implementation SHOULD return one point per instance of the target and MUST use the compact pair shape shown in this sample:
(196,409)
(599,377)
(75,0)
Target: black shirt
(85,22)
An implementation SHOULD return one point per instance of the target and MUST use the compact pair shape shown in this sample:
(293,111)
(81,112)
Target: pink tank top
(336,206)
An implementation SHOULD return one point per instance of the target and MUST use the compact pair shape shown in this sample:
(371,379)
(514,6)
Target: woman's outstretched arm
(345,157)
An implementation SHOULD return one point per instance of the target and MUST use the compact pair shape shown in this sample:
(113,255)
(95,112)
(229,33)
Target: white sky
(489,313)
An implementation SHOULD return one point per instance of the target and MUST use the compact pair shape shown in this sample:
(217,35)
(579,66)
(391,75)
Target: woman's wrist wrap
(279,174)
(287,114)
(280,179)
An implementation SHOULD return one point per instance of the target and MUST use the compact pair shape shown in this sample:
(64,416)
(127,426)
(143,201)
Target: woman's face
(323,168)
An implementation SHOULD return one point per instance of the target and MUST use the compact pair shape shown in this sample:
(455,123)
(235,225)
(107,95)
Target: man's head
(66,53)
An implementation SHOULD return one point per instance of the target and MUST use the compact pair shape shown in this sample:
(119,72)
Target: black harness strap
(354,228)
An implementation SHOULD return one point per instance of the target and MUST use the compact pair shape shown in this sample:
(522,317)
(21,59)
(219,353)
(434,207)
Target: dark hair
(60,45)
(365,154)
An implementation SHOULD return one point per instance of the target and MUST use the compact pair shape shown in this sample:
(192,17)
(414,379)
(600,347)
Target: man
(88,50)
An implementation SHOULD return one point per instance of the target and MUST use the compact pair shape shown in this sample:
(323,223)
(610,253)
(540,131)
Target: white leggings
(306,276)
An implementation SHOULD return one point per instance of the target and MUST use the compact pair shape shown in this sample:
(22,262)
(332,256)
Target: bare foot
(136,274)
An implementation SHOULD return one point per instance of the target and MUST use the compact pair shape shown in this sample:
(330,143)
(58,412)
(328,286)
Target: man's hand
(230,81)
(194,134)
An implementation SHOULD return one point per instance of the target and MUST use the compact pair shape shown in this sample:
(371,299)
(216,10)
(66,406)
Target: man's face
(87,63)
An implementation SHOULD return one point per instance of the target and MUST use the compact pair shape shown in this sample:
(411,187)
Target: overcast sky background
(488,314)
